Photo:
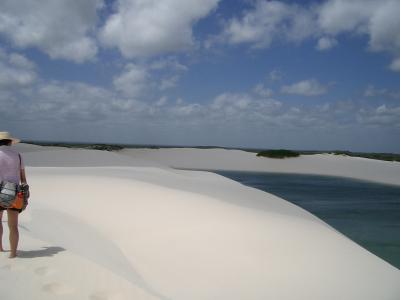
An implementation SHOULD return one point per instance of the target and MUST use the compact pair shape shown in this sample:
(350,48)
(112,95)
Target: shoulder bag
(14,195)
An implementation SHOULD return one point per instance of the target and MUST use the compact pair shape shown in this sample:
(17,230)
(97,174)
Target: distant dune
(238,160)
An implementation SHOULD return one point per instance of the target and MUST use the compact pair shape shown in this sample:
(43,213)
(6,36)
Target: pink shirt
(9,164)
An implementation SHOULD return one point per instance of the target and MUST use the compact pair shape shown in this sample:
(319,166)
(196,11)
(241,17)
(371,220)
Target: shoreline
(290,173)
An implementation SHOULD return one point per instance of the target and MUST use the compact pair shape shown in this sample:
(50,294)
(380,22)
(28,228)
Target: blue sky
(318,75)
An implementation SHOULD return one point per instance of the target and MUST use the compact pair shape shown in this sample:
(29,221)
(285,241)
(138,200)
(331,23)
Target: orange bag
(19,201)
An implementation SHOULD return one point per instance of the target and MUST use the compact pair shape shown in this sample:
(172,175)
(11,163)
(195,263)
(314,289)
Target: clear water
(368,213)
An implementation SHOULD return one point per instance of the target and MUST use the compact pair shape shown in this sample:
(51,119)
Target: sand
(238,160)
(107,225)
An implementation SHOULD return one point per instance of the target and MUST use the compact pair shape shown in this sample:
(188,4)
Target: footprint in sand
(106,296)
(44,271)
(57,288)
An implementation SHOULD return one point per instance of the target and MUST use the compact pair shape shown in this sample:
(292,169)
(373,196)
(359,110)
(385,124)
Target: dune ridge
(239,160)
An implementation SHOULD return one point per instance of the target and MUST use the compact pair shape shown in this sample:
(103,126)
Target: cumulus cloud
(69,100)
(395,65)
(170,63)
(60,28)
(57,101)
(16,70)
(132,81)
(194,111)
(162,101)
(248,111)
(242,107)
(237,115)
(269,20)
(21,61)
(168,83)
(146,28)
(231,101)
(275,75)
(309,87)
(325,43)
(380,116)
(379,19)
(372,91)
(262,91)
(337,16)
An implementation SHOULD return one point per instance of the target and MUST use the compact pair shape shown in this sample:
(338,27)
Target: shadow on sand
(45,252)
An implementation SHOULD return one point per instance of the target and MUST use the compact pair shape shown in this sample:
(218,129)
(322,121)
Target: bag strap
(20,169)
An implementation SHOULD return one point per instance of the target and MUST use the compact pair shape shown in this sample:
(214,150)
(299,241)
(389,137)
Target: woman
(11,170)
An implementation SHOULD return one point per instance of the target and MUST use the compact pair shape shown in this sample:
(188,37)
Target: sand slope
(144,232)
(321,164)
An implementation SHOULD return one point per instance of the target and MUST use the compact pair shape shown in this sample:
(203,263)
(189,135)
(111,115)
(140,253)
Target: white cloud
(234,107)
(16,70)
(372,91)
(395,65)
(275,75)
(132,81)
(69,100)
(379,19)
(166,70)
(162,101)
(310,87)
(168,83)
(168,63)
(380,116)
(247,110)
(57,101)
(325,43)
(187,110)
(337,16)
(15,77)
(267,21)
(228,100)
(238,116)
(60,28)
(21,61)
(270,21)
(151,27)
(262,91)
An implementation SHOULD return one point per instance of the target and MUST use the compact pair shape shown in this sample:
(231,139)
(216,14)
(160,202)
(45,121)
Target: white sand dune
(117,230)
(24,148)
(40,156)
(321,164)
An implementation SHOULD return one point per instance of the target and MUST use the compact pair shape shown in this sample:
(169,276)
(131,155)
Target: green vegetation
(281,153)
(104,147)
(378,156)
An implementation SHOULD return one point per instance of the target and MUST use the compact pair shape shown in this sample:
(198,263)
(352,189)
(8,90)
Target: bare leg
(14,234)
(1,231)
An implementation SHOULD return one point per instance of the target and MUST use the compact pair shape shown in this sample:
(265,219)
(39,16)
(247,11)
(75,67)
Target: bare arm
(23,176)
(22,171)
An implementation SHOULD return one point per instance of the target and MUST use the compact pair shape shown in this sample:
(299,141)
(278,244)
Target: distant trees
(281,153)
(378,156)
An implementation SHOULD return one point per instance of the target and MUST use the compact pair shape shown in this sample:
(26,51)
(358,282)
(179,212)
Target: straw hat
(4,135)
